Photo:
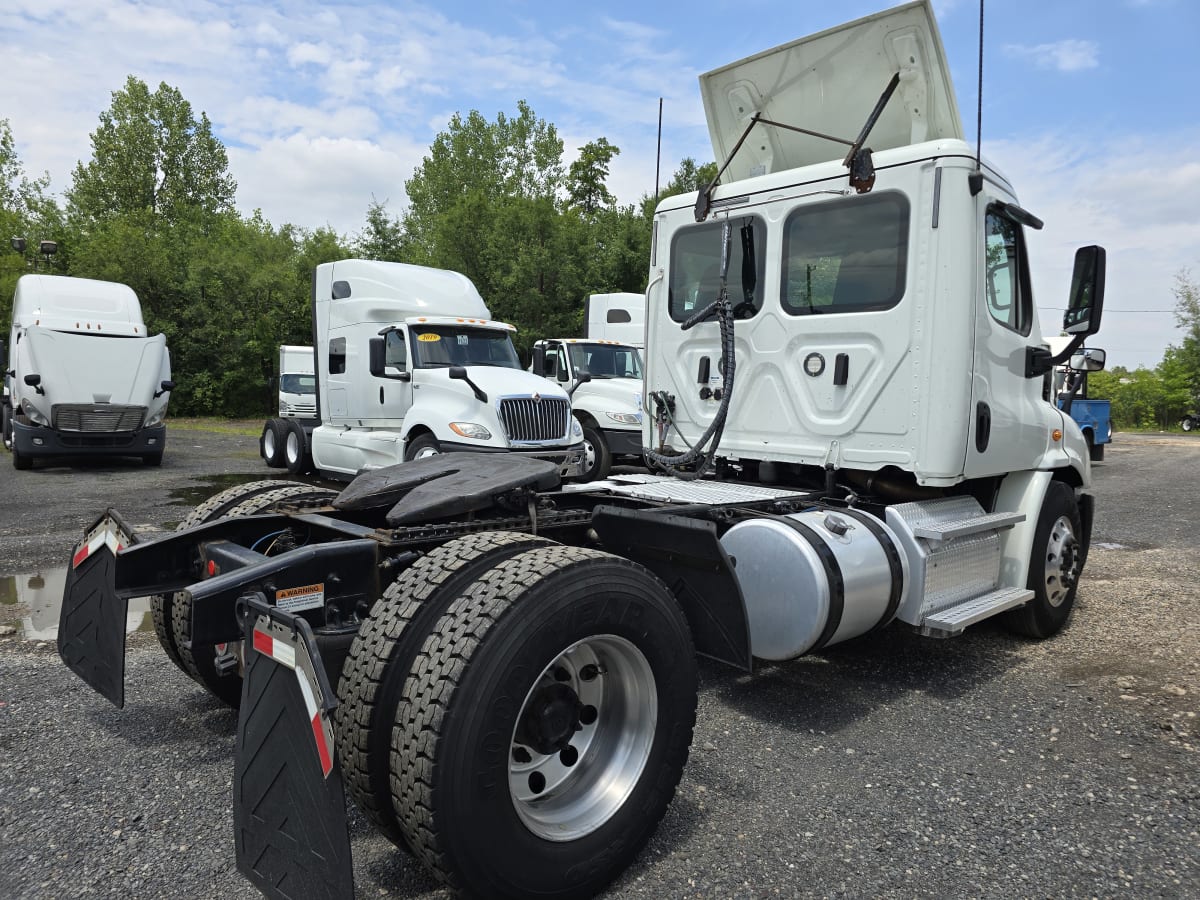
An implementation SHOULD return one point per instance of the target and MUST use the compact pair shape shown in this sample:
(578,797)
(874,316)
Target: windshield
(445,345)
(606,360)
(298,384)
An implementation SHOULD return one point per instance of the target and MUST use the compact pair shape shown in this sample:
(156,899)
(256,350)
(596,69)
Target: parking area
(891,766)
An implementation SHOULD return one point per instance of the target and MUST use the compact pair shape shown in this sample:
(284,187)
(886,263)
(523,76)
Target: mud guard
(91,624)
(289,808)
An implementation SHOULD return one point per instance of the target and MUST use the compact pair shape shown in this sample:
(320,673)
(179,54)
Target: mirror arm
(1039,361)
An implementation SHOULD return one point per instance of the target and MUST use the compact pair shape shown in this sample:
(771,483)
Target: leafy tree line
(1158,397)
(154,209)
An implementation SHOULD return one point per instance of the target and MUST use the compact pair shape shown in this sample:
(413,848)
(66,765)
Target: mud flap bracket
(289,807)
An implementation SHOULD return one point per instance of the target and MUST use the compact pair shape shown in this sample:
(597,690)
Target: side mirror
(377,361)
(1087,292)
(376,353)
(539,361)
(1088,359)
(163,388)
(458,372)
(35,382)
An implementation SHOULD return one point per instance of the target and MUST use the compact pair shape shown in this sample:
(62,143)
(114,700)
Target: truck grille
(526,419)
(96,417)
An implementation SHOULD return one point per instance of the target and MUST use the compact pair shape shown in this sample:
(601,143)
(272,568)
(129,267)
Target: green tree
(26,211)
(382,237)
(151,155)
(1187,315)
(586,188)
(469,165)
(689,177)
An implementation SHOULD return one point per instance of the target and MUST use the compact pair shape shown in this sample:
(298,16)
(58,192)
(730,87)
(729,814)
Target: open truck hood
(84,368)
(829,82)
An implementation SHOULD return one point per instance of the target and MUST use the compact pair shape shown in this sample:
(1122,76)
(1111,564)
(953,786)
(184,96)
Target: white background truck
(285,440)
(615,317)
(410,363)
(85,379)
(501,673)
(607,403)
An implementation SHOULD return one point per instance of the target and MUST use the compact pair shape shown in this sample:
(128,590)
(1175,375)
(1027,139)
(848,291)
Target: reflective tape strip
(277,650)
(103,536)
(318,726)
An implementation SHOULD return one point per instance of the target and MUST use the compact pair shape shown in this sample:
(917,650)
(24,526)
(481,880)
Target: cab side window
(337,356)
(1006,274)
(395,351)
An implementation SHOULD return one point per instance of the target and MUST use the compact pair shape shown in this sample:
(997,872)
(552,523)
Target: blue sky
(1089,105)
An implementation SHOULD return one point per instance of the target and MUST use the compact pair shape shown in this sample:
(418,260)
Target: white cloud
(304,53)
(1070,55)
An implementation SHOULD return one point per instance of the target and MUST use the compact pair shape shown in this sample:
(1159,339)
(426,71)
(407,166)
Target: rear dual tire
(547,720)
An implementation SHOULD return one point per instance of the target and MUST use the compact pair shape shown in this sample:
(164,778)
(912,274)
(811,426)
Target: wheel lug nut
(588,715)
(568,756)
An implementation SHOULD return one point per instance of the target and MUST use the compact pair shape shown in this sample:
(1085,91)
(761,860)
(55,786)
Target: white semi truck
(604,380)
(84,377)
(285,439)
(409,363)
(617,317)
(500,669)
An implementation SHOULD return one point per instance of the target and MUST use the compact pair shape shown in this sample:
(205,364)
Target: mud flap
(289,809)
(91,624)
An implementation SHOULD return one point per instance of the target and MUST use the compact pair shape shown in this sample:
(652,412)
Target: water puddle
(31,602)
(195,494)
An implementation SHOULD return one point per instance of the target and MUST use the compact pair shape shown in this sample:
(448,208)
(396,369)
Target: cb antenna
(975,180)
(658,153)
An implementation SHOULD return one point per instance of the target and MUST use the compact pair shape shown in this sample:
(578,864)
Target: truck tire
(1054,566)
(6,429)
(210,509)
(1096,452)
(296,458)
(373,676)
(421,446)
(597,458)
(200,661)
(270,443)
(1187,423)
(549,718)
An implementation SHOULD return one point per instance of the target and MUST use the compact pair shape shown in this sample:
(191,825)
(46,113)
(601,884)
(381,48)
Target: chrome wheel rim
(1062,561)
(292,446)
(589,456)
(269,448)
(582,738)
(426,452)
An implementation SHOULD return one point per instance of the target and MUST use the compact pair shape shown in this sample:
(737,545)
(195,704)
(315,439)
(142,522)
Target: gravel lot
(894,766)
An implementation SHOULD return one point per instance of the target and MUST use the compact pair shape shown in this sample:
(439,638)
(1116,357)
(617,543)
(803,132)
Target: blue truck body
(1092,416)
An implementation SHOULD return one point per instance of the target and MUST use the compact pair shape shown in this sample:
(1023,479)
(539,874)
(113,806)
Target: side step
(952,620)
(945,531)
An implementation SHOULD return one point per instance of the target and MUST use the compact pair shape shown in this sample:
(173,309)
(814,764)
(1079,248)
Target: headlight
(576,428)
(284,407)
(470,430)
(625,418)
(32,412)
(156,418)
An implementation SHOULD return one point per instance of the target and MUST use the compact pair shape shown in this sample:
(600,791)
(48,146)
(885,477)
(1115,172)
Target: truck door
(1007,432)
(392,397)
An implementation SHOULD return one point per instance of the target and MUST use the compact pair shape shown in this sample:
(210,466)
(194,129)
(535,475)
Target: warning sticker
(298,599)
(428,336)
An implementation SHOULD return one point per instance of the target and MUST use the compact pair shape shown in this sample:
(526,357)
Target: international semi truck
(604,380)
(410,363)
(84,377)
(499,668)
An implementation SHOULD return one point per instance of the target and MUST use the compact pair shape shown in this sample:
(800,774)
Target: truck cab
(411,364)
(85,377)
(604,379)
